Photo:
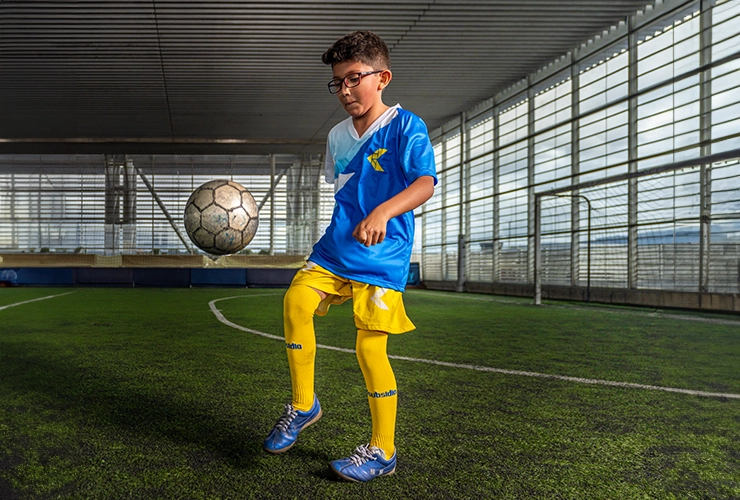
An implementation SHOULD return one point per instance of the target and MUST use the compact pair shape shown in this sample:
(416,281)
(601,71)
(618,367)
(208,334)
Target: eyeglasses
(349,81)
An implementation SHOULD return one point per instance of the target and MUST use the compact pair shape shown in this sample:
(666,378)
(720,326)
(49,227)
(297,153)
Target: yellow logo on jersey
(373,159)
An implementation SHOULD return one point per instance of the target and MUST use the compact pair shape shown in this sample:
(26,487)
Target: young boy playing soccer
(381,162)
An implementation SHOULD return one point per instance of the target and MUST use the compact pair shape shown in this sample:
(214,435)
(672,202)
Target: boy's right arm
(371,230)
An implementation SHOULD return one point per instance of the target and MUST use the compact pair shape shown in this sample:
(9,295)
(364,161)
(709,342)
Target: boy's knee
(370,345)
(300,301)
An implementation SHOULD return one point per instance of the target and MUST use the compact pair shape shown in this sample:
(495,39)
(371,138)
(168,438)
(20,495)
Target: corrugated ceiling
(224,76)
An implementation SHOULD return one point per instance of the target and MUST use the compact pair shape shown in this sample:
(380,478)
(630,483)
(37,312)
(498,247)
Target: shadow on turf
(100,399)
(6,490)
(306,455)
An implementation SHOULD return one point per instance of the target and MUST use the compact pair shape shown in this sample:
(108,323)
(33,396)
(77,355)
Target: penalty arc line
(219,315)
(629,385)
(33,300)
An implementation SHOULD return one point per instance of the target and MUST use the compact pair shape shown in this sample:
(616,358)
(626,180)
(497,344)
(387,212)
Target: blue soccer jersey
(366,172)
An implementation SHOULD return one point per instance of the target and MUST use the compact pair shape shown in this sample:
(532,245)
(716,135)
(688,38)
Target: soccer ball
(221,217)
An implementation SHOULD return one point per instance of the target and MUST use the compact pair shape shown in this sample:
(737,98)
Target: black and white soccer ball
(221,217)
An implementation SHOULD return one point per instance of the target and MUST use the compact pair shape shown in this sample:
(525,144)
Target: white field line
(33,300)
(219,315)
(579,380)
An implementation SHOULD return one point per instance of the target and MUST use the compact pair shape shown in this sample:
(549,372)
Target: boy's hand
(371,230)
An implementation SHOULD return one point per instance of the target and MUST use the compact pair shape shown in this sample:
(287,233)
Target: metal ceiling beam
(146,69)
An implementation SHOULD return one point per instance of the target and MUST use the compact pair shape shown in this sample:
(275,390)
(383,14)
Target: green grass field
(143,393)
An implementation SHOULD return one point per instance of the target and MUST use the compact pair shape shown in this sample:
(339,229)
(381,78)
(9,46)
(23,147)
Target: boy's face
(357,101)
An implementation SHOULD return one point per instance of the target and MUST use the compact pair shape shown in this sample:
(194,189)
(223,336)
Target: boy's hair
(362,46)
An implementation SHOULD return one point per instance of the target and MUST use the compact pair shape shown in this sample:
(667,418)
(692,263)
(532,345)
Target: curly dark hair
(362,46)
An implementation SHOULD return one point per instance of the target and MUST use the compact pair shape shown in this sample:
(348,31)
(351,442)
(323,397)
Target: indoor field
(168,393)
(554,187)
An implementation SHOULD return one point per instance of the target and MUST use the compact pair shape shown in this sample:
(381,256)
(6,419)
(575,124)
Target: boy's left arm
(371,230)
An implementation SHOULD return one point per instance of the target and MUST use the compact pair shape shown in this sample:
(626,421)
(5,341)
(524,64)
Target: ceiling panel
(168,76)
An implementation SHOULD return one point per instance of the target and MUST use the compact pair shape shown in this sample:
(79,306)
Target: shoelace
(286,418)
(362,454)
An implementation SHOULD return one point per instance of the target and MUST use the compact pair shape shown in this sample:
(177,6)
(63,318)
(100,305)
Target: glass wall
(135,204)
(631,144)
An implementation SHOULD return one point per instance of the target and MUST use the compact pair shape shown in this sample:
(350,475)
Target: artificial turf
(143,393)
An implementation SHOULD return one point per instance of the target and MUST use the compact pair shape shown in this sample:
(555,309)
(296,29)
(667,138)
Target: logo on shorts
(377,298)
(308,266)
(385,394)
(293,345)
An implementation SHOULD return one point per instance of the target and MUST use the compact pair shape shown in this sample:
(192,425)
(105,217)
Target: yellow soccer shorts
(375,308)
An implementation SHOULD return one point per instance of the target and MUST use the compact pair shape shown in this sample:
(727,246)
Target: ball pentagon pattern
(221,217)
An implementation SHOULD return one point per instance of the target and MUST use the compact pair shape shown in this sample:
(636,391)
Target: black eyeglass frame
(337,83)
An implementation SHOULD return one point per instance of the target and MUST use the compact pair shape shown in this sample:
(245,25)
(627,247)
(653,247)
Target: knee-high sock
(299,304)
(381,387)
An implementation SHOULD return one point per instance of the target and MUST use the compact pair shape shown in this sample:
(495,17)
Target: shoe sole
(353,480)
(283,450)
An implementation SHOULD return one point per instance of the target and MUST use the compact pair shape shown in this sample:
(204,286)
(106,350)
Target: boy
(381,162)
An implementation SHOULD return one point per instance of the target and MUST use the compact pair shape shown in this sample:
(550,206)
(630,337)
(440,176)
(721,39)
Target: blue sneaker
(285,433)
(366,463)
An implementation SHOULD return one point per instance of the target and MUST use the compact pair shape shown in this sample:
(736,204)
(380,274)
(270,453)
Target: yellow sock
(299,305)
(381,387)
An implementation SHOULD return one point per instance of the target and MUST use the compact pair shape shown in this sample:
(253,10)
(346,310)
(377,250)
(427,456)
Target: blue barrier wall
(414,278)
(165,277)
(102,276)
(153,277)
(8,277)
(46,276)
(162,277)
(270,278)
(218,277)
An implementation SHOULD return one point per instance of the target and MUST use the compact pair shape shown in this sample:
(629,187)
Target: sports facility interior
(588,156)
(585,151)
